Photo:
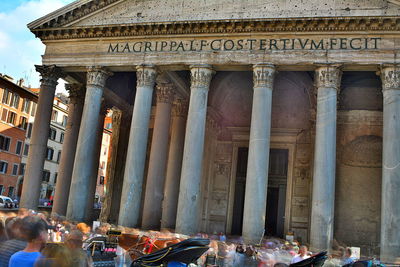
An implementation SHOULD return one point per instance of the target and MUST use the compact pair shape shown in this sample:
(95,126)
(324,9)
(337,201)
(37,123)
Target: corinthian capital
(201,76)
(97,76)
(263,75)
(146,75)
(76,92)
(328,76)
(180,108)
(50,74)
(165,92)
(390,75)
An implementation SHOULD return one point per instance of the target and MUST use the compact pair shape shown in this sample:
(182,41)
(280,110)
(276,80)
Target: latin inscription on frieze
(361,43)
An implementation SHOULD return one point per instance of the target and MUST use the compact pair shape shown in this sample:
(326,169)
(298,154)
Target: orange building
(17,104)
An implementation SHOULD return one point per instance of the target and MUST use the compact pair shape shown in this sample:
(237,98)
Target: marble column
(95,168)
(158,157)
(255,200)
(75,108)
(390,211)
(136,155)
(174,165)
(111,166)
(327,80)
(40,133)
(189,190)
(84,157)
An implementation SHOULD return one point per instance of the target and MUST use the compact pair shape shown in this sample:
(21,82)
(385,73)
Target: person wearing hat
(34,229)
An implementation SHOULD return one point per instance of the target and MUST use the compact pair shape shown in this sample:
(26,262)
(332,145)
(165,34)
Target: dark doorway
(276,195)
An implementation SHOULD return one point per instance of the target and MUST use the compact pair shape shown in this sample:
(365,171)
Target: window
(22,169)
(105,151)
(49,153)
(26,149)
(11,117)
(54,115)
(55,177)
(18,148)
(1,192)
(4,114)
(5,143)
(10,191)
(62,138)
(101,180)
(6,97)
(64,121)
(15,169)
(3,166)
(52,134)
(29,132)
(33,109)
(14,100)
(26,105)
(59,156)
(23,122)
(46,176)
(102,165)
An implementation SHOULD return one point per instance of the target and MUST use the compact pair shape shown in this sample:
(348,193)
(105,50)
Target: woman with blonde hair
(54,255)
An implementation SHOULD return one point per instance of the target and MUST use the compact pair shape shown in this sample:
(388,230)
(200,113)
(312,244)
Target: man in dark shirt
(14,243)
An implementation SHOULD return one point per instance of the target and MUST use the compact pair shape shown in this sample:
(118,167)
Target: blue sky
(19,49)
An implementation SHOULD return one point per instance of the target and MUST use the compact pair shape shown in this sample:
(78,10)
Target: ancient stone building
(245,117)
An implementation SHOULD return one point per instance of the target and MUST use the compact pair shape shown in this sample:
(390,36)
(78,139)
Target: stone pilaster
(136,155)
(40,133)
(187,218)
(75,108)
(390,210)
(84,157)
(327,80)
(257,168)
(174,166)
(158,157)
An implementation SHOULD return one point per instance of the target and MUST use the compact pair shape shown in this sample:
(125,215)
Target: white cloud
(19,49)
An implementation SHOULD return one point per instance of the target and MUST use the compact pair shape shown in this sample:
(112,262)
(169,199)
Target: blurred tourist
(55,255)
(74,242)
(15,243)
(303,254)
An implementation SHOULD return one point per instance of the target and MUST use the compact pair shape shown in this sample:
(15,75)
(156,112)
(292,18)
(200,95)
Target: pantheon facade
(249,118)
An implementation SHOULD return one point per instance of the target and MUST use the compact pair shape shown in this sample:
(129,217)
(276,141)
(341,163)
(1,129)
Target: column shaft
(328,80)
(136,155)
(390,211)
(84,157)
(40,133)
(189,191)
(75,108)
(111,166)
(158,158)
(174,166)
(95,168)
(257,168)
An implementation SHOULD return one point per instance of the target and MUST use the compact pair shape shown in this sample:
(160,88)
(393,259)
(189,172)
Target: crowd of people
(30,239)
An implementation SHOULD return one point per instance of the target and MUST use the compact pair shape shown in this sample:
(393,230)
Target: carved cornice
(390,75)
(50,75)
(165,92)
(97,76)
(146,76)
(328,75)
(180,108)
(201,76)
(263,75)
(318,25)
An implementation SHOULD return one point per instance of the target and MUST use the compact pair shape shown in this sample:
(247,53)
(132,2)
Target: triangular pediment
(86,13)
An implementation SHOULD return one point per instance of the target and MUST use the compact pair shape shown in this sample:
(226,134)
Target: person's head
(303,250)
(348,253)
(74,239)
(13,228)
(54,255)
(83,227)
(34,229)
